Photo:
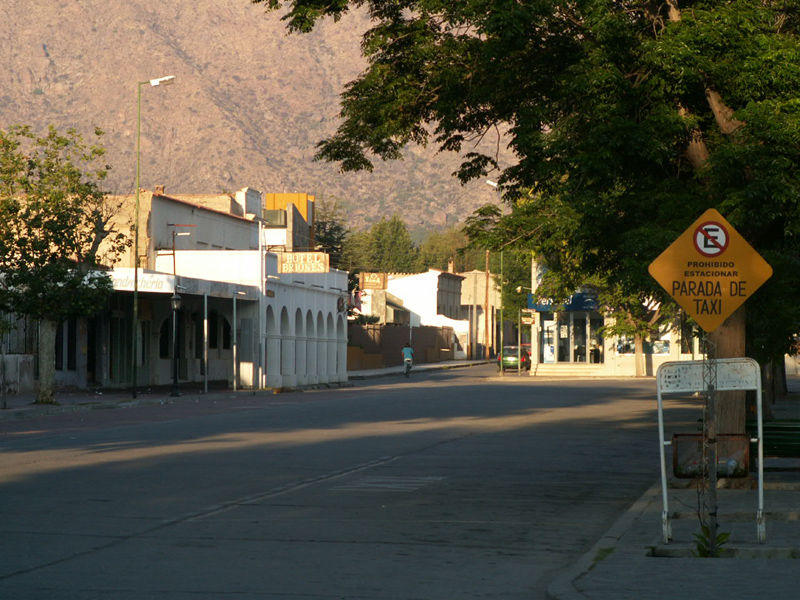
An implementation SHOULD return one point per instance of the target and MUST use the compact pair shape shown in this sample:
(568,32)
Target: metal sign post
(688,377)
(710,271)
(710,441)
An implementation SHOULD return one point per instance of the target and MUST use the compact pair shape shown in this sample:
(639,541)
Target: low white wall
(18,373)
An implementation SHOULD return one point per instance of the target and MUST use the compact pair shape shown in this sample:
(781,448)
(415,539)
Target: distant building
(480,305)
(421,299)
(569,339)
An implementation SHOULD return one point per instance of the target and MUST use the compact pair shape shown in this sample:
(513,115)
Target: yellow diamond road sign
(710,270)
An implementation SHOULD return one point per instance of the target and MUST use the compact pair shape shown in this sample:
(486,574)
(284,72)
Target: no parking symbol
(711,239)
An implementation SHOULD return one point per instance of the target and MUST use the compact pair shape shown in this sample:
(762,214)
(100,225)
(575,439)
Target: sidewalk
(398,370)
(22,406)
(632,562)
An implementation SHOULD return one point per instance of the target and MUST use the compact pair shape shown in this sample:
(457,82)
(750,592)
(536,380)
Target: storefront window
(626,345)
(657,347)
(571,337)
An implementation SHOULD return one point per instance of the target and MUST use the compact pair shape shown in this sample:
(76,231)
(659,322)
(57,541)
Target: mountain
(248,106)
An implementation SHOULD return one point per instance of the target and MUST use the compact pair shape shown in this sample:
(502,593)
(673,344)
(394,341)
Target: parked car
(511,354)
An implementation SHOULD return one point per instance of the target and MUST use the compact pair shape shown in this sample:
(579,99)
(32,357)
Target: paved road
(448,486)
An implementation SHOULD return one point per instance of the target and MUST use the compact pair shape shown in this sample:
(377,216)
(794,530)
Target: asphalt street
(451,485)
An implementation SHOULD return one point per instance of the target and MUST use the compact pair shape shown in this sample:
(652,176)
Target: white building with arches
(238,321)
(305,328)
(298,322)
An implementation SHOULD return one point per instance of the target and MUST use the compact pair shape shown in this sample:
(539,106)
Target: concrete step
(568,370)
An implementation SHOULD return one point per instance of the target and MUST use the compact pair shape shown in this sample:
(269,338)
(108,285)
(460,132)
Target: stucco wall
(18,373)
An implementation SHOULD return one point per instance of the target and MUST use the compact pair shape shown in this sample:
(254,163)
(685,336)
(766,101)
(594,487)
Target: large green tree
(53,220)
(441,248)
(386,247)
(627,119)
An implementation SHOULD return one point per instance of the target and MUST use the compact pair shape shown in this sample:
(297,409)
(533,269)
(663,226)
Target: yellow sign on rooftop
(710,270)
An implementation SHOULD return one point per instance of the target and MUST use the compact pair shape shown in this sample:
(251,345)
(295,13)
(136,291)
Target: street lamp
(153,82)
(235,352)
(176,233)
(175,301)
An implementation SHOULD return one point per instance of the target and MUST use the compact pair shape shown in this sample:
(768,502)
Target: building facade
(480,305)
(239,322)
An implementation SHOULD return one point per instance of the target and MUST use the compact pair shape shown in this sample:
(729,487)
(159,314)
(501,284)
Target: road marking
(387,484)
(284,489)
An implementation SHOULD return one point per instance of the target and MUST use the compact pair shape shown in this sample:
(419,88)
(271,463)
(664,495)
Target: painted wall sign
(122,280)
(373,281)
(303,262)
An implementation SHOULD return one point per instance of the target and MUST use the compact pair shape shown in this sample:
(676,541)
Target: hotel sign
(303,262)
(710,270)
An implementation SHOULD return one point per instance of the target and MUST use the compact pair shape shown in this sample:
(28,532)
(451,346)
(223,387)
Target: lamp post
(235,349)
(153,82)
(486,311)
(176,233)
(176,306)
(175,301)
(502,337)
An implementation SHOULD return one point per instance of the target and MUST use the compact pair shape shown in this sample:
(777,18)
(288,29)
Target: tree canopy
(386,247)
(441,247)
(330,229)
(626,118)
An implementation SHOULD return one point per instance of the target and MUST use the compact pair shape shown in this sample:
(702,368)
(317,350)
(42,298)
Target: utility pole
(486,312)
(473,340)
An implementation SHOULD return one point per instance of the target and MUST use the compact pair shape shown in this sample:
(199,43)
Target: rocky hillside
(248,106)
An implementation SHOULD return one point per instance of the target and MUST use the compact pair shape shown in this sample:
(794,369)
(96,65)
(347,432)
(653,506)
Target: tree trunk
(769,386)
(781,385)
(638,355)
(3,380)
(47,362)
(728,342)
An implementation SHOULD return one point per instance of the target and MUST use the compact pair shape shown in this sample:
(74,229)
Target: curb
(563,587)
(43,410)
(419,368)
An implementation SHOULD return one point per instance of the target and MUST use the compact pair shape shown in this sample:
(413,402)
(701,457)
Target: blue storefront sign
(577,302)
